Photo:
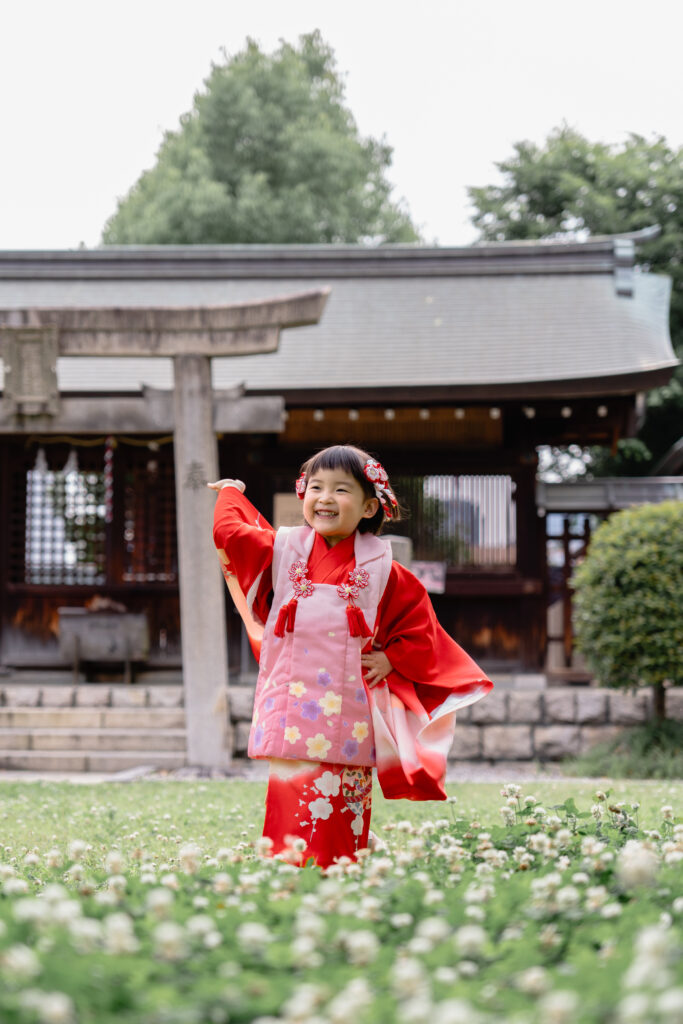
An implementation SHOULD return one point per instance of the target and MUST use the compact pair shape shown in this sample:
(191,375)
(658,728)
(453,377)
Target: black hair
(350,460)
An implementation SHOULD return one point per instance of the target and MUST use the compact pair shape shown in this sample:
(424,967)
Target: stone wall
(522,725)
(510,724)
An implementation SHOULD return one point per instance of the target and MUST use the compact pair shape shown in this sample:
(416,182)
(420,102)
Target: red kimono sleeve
(420,650)
(414,708)
(245,540)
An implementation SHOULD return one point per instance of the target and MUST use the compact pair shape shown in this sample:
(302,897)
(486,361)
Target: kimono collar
(367,547)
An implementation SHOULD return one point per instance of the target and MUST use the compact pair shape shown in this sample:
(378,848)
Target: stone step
(95,695)
(88,760)
(92,739)
(92,718)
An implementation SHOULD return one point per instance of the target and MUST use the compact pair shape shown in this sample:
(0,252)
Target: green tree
(269,153)
(628,598)
(571,187)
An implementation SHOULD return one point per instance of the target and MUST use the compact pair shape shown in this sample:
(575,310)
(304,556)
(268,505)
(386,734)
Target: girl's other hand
(218,485)
(376,666)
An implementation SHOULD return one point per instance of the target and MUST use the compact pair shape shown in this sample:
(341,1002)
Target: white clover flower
(596,897)
(119,936)
(667,812)
(31,859)
(264,846)
(408,978)
(55,1008)
(65,911)
(212,939)
(20,962)
(361,946)
(549,937)
(670,1006)
(189,858)
(170,881)
(508,815)
(470,940)
(568,897)
(611,910)
(159,901)
(637,864)
(199,924)
(15,886)
(117,884)
(634,1009)
(77,849)
(355,997)
(473,912)
(563,837)
(54,859)
(419,945)
(401,920)
(445,975)
(559,1007)
(170,941)
(417,1010)
(533,981)
(114,863)
(309,925)
(304,1000)
(86,934)
(36,911)
(454,1011)
(654,942)
(254,937)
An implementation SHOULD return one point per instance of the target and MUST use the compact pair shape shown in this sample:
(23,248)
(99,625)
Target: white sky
(88,87)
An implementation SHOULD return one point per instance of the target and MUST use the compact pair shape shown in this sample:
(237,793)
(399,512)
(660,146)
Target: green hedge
(628,604)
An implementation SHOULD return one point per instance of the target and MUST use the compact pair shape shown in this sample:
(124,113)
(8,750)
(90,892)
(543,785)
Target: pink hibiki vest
(311,703)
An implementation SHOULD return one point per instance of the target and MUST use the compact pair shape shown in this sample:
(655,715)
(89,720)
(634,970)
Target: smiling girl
(354,669)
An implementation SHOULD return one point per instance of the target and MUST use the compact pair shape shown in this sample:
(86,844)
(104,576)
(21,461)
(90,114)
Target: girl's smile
(335,503)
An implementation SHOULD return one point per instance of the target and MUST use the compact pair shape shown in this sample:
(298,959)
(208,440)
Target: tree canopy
(269,153)
(571,187)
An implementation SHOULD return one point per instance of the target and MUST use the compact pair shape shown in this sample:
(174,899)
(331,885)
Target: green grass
(465,919)
(41,814)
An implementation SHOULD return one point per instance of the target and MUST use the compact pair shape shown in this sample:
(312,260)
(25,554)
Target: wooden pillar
(202,608)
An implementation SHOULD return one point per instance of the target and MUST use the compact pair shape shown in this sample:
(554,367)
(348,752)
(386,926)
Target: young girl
(355,670)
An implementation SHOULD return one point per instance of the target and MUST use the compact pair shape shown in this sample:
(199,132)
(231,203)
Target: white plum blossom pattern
(328,784)
(320,808)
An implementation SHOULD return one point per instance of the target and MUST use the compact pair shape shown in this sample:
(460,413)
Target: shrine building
(453,366)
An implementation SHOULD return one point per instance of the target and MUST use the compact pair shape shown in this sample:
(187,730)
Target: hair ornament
(376,474)
(301,486)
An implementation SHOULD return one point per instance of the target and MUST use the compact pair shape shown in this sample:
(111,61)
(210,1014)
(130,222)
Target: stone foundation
(509,725)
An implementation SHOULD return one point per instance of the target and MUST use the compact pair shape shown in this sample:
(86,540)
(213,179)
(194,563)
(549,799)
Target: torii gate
(30,342)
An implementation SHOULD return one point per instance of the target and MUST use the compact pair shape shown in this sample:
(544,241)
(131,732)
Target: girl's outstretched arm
(244,540)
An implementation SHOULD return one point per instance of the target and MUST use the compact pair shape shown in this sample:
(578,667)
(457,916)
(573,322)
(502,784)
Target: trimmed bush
(628,604)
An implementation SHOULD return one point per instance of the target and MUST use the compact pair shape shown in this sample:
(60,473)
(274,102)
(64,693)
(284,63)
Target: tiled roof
(531,314)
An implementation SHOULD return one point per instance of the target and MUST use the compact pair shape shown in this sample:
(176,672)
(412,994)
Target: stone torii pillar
(33,338)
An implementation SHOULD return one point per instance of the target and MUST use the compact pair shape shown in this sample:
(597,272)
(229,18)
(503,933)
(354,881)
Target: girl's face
(335,503)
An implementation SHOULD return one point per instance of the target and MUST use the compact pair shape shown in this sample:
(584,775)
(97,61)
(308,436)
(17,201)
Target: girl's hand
(218,485)
(377,665)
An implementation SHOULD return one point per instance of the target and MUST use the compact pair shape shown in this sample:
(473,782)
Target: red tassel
(281,622)
(285,618)
(357,624)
